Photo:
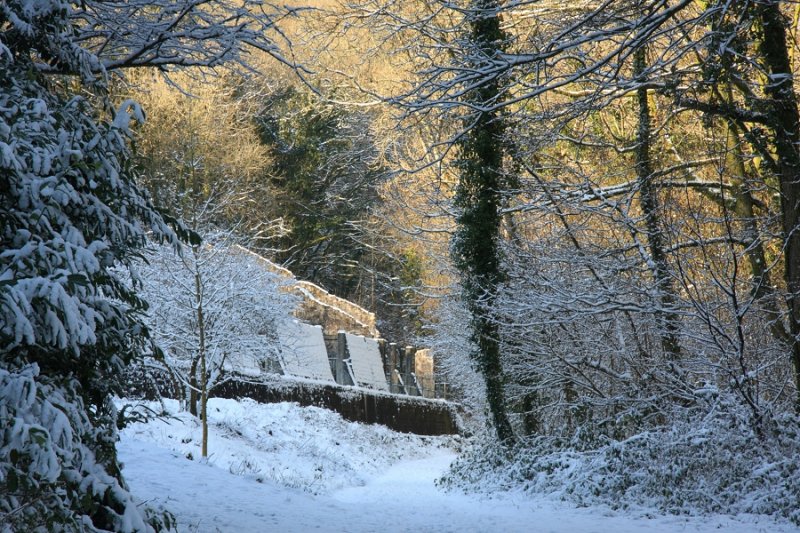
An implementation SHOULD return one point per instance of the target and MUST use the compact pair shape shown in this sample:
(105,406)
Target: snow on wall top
(365,362)
(315,294)
(302,351)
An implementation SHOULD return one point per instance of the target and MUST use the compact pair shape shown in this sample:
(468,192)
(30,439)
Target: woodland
(589,210)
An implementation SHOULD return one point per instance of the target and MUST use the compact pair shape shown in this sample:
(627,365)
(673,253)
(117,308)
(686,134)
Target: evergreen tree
(69,213)
(72,220)
(324,180)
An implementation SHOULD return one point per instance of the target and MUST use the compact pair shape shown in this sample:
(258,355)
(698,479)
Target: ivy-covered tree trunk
(478,197)
(785,119)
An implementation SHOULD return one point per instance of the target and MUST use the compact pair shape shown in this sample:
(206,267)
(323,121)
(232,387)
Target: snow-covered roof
(365,361)
(302,351)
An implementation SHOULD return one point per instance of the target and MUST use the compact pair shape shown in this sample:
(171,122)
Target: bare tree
(169,35)
(214,311)
(610,112)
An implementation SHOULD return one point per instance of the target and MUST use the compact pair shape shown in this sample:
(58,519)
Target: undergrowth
(714,462)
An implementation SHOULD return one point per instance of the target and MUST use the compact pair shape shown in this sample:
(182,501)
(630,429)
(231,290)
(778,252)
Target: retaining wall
(408,414)
(400,413)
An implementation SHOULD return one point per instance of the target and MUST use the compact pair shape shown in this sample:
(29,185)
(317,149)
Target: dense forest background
(591,211)
(633,158)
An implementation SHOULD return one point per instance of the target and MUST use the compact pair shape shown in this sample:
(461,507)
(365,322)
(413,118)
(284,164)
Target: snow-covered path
(208,499)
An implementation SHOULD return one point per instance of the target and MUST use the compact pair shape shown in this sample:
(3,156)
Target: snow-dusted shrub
(711,461)
(52,479)
(69,211)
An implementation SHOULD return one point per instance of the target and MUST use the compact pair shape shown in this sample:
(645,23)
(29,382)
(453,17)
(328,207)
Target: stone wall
(408,371)
(319,307)
(424,372)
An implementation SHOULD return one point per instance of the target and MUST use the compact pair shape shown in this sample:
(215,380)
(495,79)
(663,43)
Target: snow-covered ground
(280,467)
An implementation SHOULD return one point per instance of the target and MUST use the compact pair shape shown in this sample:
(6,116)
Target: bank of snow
(308,448)
(280,467)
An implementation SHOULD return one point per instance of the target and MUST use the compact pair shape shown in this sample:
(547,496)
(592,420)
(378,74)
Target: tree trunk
(475,247)
(201,327)
(193,387)
(761,288)
(743,208)
(779,88)
(665,315)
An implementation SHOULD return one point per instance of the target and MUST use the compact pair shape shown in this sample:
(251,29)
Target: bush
(715,461)
(56,478)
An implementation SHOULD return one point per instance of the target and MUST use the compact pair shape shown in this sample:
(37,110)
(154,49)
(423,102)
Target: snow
(127,111)
(306,447)
(302,351)
(367,479)
(365,361)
